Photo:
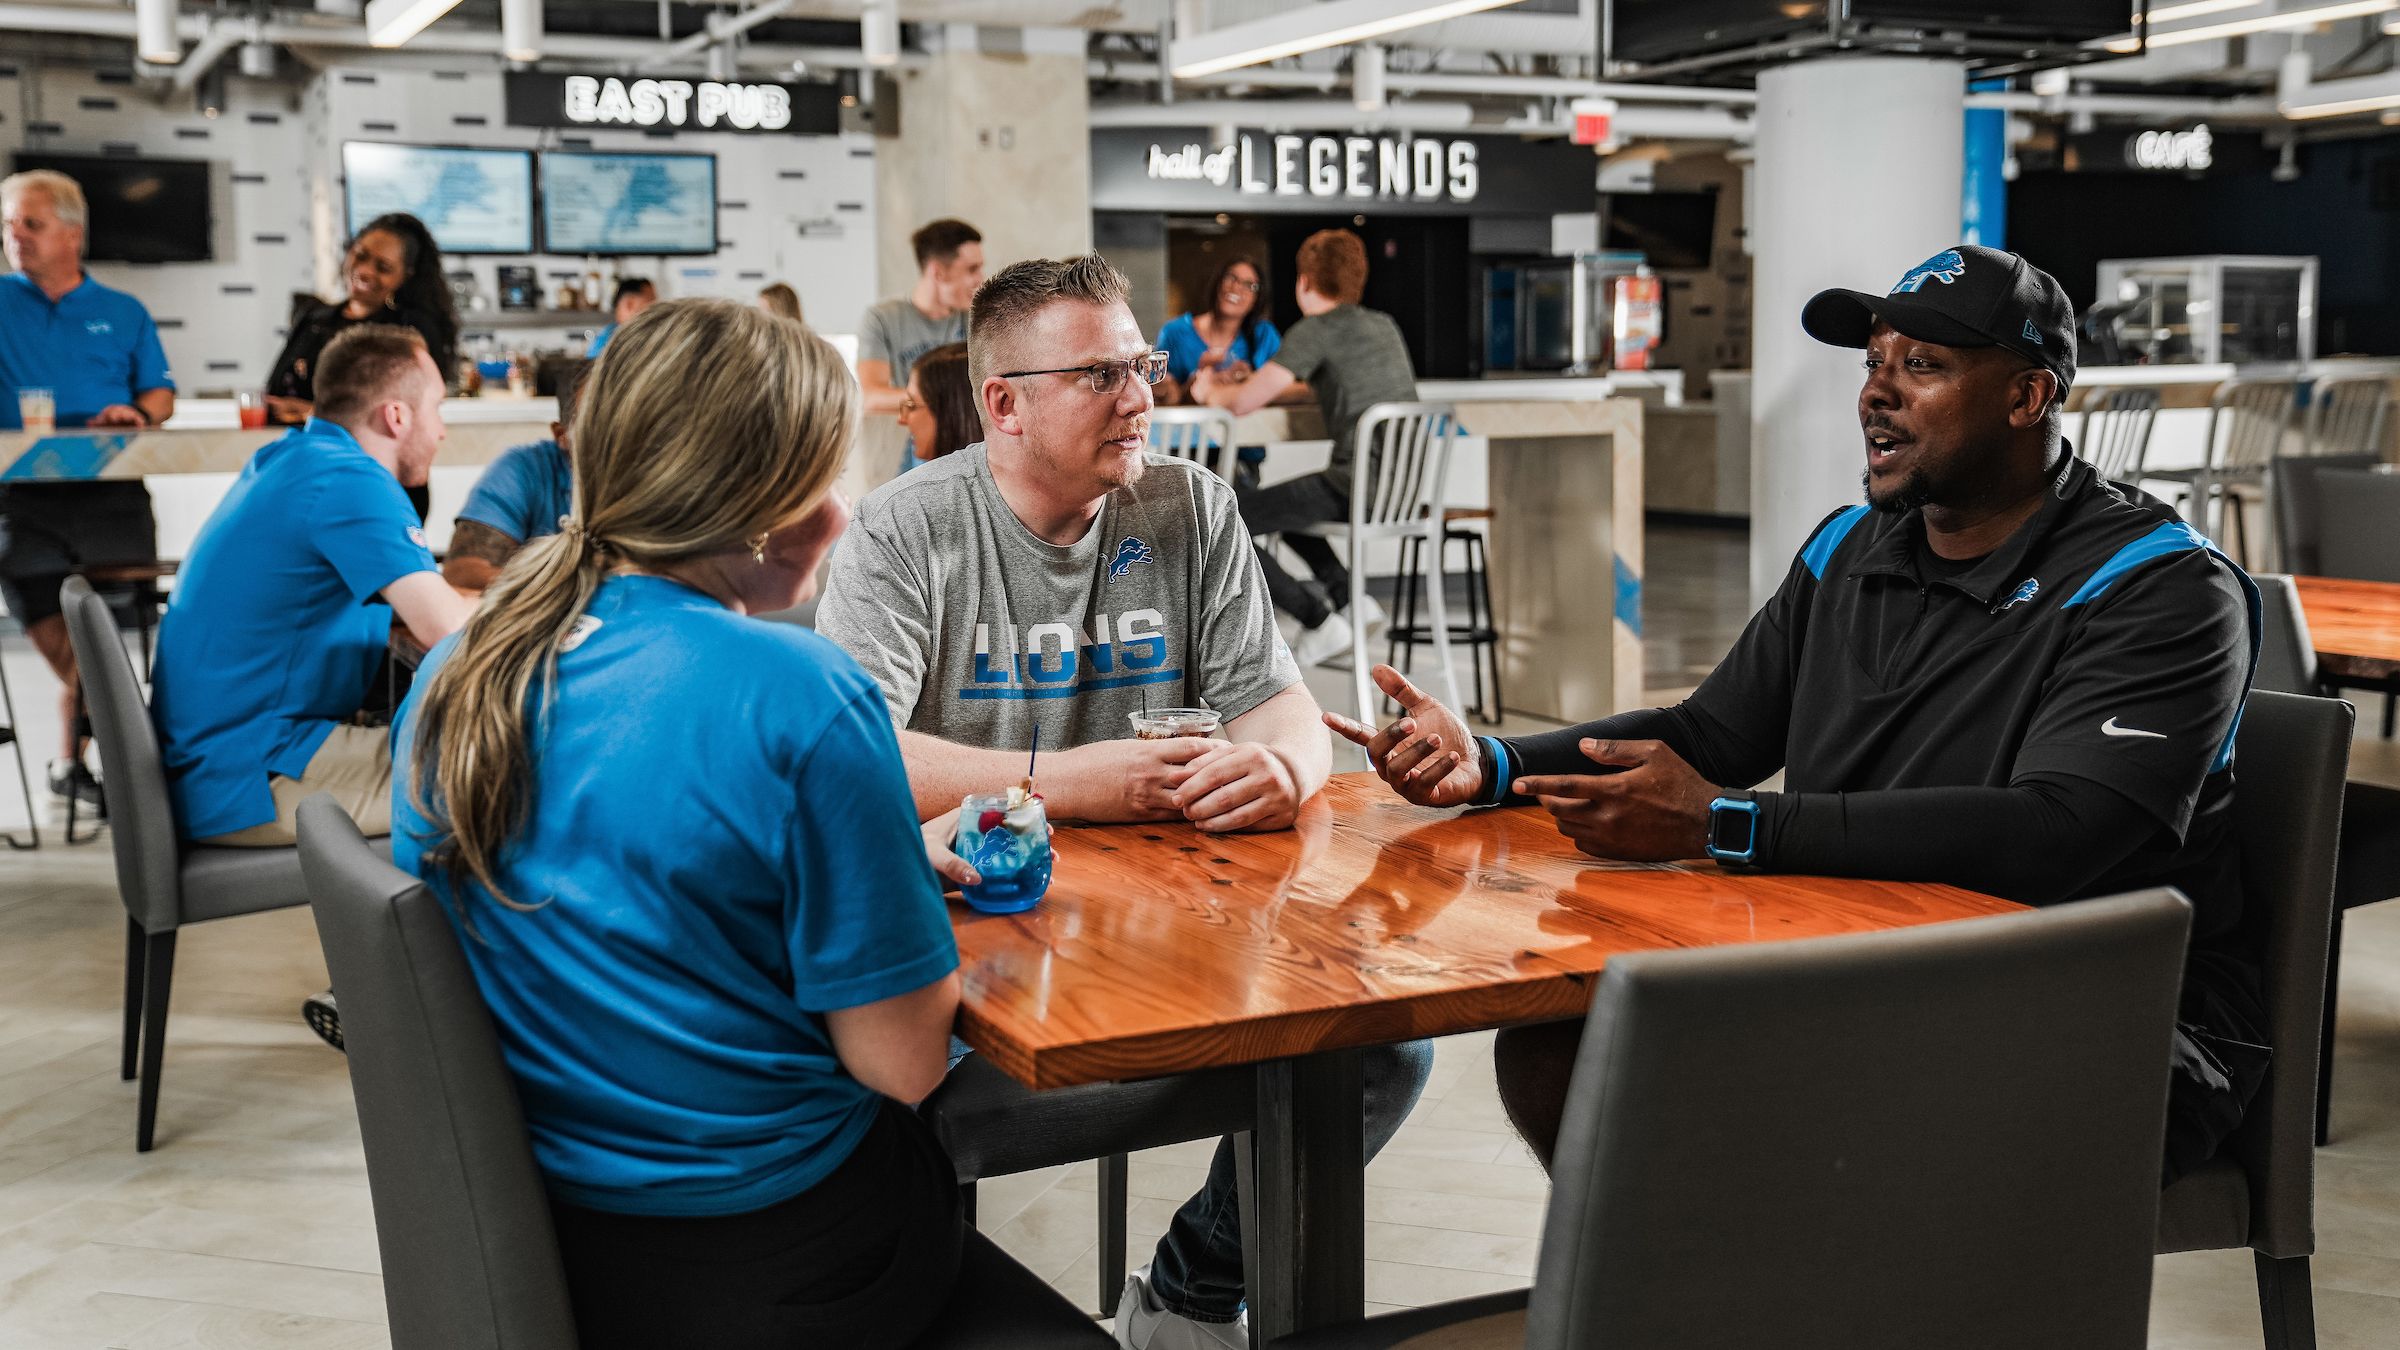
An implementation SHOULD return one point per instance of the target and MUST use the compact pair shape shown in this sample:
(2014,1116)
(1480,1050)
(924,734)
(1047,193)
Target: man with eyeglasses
(1060,577)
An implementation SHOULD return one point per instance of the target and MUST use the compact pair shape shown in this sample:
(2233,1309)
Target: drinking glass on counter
(37,410)
(252,405)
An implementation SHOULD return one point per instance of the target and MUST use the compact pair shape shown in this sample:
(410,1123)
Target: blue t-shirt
(591,350)
(723,849)
(90,348)
(524,492)
(275,632)
(1180,339)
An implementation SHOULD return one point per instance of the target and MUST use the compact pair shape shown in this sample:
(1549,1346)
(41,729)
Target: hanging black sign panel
(632,103)
(1312,173)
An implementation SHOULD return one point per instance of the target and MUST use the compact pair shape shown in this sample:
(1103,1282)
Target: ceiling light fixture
(2196,8)
(879,32)
(521,29)
(1308,28)
(391,23)
(154,36)
(2265,23)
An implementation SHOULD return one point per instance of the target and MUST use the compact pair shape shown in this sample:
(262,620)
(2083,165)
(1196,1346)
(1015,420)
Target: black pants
(48,531)
(865,1258)
(1306,500)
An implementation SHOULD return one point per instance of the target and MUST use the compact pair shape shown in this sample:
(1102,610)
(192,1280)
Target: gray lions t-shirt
(977,630)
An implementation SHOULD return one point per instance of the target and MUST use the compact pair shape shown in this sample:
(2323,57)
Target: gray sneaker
(323,1018)
(1143,1323)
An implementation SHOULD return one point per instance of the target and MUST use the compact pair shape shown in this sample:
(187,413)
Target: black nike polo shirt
(2105,640)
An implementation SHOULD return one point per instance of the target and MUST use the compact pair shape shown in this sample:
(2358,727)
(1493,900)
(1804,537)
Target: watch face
(1732,828)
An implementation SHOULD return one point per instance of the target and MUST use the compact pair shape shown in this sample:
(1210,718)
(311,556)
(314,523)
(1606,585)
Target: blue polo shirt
(592,349)
(1180,339)
(524,492)
(721,850)
(276,632)
(90,348)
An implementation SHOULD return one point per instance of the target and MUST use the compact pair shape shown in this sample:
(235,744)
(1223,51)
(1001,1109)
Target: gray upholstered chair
(1941,1135)
(470,1261)
(164,882)
(2260,1192)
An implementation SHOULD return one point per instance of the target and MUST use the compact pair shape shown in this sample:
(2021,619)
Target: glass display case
(2223,308)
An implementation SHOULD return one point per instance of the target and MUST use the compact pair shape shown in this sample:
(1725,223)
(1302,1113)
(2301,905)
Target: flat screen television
(1671,229)
(629,203)
(141,210)
(474,201)
(1653,31)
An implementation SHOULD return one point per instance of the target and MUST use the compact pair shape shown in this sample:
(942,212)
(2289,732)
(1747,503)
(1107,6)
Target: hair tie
(581,537)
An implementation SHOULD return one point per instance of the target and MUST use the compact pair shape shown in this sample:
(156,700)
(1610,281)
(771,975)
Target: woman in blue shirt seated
(682,855)
(1234,338)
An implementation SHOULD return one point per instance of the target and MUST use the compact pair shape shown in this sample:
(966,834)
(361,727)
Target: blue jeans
(1197,1271)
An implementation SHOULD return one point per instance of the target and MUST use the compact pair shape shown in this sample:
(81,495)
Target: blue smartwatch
(1733,830)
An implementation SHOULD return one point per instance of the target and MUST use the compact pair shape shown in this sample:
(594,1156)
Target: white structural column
(1857,180)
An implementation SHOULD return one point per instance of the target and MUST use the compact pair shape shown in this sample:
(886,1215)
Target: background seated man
(285,606)
(1058,575)
(519,498)
(2003,672)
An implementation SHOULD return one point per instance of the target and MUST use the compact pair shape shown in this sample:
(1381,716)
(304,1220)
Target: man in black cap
(2002,672)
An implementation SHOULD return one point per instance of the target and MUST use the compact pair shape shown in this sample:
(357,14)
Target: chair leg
(2391,708)
(966,1203)
(2333,986)
(1439,604)
(16,742)
(1112,1231)
(158,972)
(1369,698)
(135,949)
(1245,1190)
(1404,619)
(2287,1305)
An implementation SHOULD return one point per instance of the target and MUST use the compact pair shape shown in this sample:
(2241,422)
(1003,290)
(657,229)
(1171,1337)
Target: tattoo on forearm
(474,539)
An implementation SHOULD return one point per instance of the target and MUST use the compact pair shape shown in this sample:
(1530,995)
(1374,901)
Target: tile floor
(249,1226)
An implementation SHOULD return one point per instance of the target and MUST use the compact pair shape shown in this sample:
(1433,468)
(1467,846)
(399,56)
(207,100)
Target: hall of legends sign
(1142,170)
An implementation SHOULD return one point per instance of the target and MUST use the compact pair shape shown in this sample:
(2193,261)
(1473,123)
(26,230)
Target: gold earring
(758,550)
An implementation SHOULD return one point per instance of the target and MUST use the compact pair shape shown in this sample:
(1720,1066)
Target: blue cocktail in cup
(1006,838)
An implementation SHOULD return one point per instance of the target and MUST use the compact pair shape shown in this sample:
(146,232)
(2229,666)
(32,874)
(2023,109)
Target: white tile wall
(792,208)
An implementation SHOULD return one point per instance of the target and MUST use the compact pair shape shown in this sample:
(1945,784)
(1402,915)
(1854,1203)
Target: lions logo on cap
(1945,267)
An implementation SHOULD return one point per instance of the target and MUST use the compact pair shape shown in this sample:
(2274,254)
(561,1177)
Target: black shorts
(865,1258)
(50,531)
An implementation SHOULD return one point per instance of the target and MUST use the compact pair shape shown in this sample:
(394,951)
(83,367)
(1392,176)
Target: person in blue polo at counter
(519,498)
(96,351)
(1228,332)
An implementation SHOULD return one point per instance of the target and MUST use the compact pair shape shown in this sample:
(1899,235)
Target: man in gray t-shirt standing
(1351,359)
(1059,575)
(894,333)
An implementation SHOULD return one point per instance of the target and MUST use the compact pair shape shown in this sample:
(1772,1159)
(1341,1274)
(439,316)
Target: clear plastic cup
(251,404)
(37,411)
(1009,847)
(1166,724)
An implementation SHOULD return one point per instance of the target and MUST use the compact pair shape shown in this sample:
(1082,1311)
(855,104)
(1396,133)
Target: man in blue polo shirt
(97,352)
(285,606)
(634,294)
(518,499)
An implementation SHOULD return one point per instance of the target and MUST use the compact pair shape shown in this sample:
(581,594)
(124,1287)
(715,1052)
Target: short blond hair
(1005,305)
(65,194)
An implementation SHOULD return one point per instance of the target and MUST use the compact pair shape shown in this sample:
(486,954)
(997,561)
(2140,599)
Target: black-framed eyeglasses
(1104,377)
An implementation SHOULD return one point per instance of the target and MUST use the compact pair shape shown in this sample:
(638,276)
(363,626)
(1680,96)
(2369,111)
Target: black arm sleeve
(2039,840)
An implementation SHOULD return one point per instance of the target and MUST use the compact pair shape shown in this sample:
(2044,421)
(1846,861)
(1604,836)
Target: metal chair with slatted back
(2115,433)
(2346,415)
(1398,491)
(2247,422)
(1201,435)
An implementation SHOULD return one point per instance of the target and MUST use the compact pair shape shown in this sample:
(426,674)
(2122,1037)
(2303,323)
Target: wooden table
(2355,626)
(1161,950)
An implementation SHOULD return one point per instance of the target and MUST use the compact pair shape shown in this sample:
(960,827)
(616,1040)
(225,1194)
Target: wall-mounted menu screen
(474,201)
(629,203)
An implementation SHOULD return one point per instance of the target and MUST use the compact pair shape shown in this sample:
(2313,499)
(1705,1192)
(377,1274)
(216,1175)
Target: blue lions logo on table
(1945,267)
(1130,552)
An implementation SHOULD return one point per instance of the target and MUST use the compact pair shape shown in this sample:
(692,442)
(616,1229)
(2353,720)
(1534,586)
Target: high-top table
(1161,950)
(2354,625)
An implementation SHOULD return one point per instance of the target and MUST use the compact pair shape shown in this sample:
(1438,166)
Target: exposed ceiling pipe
(2124,105)
(1431,82)
(1637,122)
(715,30)
(222,36)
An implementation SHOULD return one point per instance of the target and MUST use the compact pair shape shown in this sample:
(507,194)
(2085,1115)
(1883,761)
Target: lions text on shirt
(978,631)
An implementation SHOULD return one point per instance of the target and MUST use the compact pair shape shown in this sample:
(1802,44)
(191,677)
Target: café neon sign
(676,103)
(1359,168)
(2171,150)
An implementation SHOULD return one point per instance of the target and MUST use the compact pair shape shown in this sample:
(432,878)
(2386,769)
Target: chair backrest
(2287,655)
(1850,1141)
(1200,435)
(2290,758)
(2247,419)
(141,814)
(1403,462)
(2345,414)
(470,1261)
(2356,509)
(2116,431)
(2299,522)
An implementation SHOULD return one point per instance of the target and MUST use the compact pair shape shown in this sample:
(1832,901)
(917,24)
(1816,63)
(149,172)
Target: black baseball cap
(1968,296)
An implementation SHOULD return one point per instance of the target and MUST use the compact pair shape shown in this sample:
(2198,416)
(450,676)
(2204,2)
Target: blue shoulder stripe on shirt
(2171,538)
(1820,549)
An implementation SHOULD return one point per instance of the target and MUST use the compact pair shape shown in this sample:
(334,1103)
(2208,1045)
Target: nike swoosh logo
(2110,728)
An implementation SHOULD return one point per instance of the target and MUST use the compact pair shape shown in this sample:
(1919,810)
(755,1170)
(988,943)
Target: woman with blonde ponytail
(681,851)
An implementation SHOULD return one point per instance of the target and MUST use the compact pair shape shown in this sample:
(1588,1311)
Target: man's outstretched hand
(1653,809)
(1428,756)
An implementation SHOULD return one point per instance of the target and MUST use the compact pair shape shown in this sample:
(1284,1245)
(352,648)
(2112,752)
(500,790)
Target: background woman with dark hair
(1233,337)
(938,411)
(393,273)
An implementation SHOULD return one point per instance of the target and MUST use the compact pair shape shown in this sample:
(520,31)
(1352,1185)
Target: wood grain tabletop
(1160,949)
(2355,626)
